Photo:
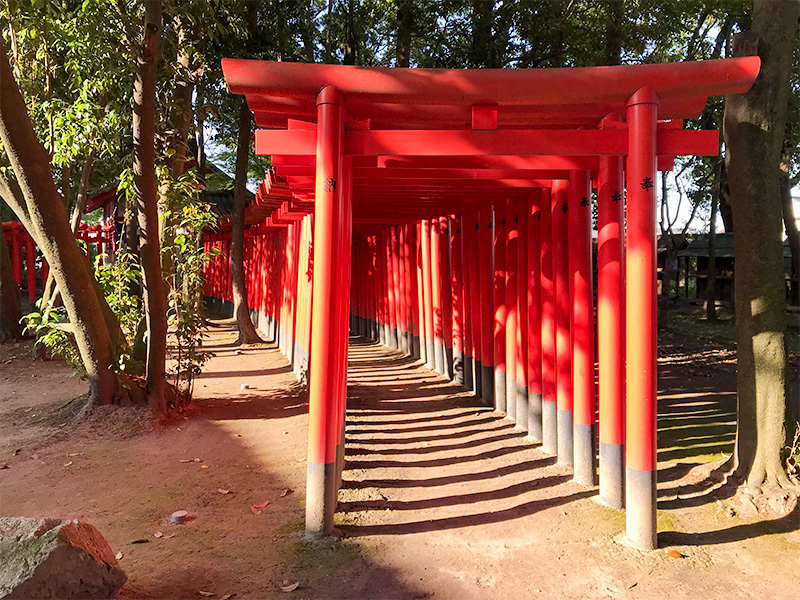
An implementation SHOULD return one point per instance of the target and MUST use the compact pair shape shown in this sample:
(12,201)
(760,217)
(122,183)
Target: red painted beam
(492,86)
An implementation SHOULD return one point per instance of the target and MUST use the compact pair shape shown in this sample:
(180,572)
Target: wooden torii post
(386,147)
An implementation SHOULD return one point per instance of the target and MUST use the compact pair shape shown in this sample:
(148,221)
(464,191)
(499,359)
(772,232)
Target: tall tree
(404,22)
(241,309)
(754,126)
(38,204)
(144,176)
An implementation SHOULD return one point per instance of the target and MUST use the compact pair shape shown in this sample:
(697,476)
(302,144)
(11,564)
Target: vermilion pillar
(344,242)
(580,281)
(329,324)
(472,230)
(30,268)
(16,256)
(467,285)
(487,303)
(418,273)
(391,288)
(410,244)
(549,412)
(522,314)
(640,321)
(445,279)
(457,287)
(407,344)
(533,294)
(436,299)
(511,259)
(399,299)
(609,331)
(500,310)
(430,343)
(561,302)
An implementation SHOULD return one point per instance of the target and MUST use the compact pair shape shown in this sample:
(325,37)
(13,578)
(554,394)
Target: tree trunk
(9,297)
(754,127)
(83,194)
(42,207)
(616,14)
(241,310)
(711,287)
(725,210)
(793,237)
(144,177)
(405,21)
(351,35)
(482,53)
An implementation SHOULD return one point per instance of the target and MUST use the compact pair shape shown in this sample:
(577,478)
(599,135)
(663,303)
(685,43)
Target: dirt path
(441,498)
(458,501)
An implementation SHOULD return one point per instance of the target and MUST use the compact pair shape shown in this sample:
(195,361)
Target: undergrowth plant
(185,312)
(793,457)
(49,325)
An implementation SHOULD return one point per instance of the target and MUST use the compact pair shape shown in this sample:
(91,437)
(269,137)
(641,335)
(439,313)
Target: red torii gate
(420,161)
(17,238)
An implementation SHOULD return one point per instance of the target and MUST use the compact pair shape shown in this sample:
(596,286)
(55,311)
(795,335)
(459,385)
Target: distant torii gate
(506,159)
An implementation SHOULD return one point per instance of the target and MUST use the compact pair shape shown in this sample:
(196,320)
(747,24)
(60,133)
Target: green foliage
(185,312)
(793,456)
(50,327)
(118,281)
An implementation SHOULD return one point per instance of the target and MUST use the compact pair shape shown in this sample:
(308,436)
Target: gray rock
(51,558)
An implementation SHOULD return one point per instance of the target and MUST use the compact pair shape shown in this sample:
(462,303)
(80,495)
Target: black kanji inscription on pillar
(330,185)
(647,183)
(584,202)
(539,215)
(616,197)
(564,208)
(477,227)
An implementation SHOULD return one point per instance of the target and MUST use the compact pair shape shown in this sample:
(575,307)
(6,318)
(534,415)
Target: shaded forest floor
(442,498)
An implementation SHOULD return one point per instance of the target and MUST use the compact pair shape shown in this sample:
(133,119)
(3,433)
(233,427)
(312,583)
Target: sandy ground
(442,498)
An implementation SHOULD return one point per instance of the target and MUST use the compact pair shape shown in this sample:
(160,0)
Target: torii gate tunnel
(449,211)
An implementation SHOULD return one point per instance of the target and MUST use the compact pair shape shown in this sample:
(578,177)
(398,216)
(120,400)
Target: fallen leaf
(74,454)
(68,463)
(17,451)
(672,553)
(221,491)
(286,492)
(255,508)
(285,432)
(185,460)
(171,535)
(158,534)
(206,594)
(203,466)
(288,586)
(4,466)
(119,555)
(141,541)
(227,596)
